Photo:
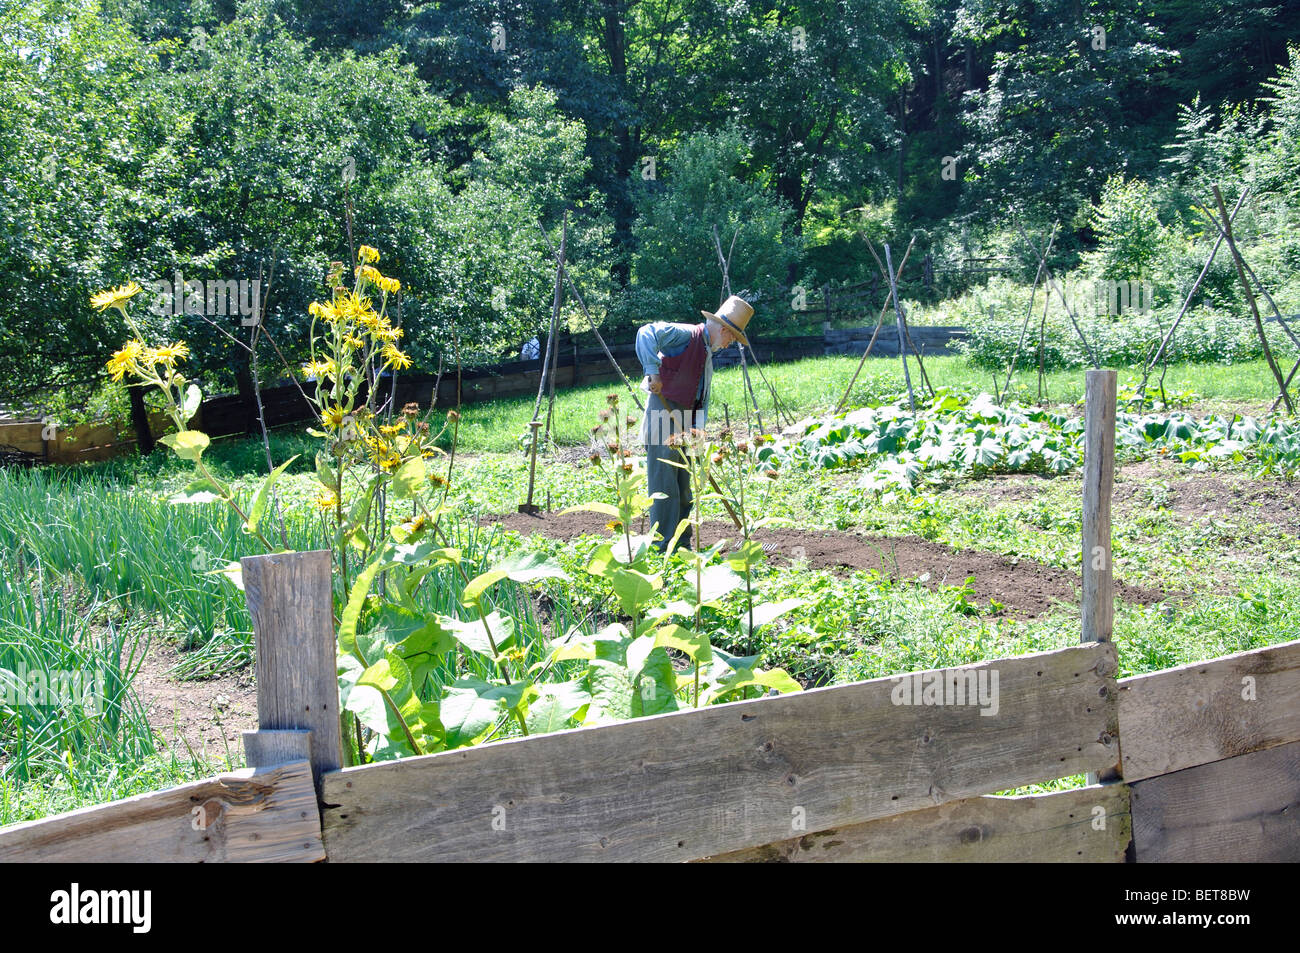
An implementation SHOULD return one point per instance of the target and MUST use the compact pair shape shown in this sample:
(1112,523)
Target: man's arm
(659,336)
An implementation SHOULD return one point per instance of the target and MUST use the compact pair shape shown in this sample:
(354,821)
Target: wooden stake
(1098,478)
(880,321)
(291,600)
(1250,300)
(529,507)
(1187,301)
(1052,284)
(592,324)
(1042,263)
(898,312)
(555,317)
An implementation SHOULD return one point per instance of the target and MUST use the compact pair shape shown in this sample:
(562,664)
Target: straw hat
(733,315)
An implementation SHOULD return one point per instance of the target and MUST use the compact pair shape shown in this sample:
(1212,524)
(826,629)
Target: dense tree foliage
(220,139)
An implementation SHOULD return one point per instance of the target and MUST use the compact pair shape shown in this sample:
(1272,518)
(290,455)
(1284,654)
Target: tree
(1064,104)
(77,100)
(675,268)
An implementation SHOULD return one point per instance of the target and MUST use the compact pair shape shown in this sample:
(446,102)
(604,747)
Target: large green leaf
(715,582)
(356,600)
(264,494)
(470,632)
(324,473)
(420,640)
(611,688)
(634,588)
(694,644)
(766,613)
(556,705)
(608,644)
(190,404)
(188,444)
(467,712)
(201,490)
(656,684)
(409,479)
(520,567)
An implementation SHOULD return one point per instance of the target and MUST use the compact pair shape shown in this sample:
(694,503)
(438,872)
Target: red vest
(680,374)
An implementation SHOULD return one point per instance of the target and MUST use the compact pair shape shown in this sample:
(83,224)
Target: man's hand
(656,385)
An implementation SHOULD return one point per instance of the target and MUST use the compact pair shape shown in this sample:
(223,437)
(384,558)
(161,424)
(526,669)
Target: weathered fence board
(692,784)
(1208,711)
(290,600)
(265,815)
(1086,825)
(1240,809)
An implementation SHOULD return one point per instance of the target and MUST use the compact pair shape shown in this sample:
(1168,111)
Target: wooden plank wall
(1084,825)
(253,815)
(694,784)
(1194,714)
(1241,809)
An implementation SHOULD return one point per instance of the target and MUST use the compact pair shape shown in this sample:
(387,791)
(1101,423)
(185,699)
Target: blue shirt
(669,339)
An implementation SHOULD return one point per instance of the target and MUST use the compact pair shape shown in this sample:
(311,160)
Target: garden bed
(1024,587)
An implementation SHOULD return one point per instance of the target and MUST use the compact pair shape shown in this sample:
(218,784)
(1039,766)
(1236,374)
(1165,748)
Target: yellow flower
(354,342)
(395,358)
(318,368)
(392,430)
(326,500)
(352,306)
(366,253)
(115,297)
(371,274)
(323,312)
(125,359)
(332,417)
(171,353)
(390,285)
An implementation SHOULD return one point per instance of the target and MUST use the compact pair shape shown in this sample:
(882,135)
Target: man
(678,364)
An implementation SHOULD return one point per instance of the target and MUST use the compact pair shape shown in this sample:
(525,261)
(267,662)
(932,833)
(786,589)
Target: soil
(1026,588)
(1192,494)
(205,717)
(1175,486)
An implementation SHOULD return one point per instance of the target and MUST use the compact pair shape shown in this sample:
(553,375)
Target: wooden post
(290,597)
(1098,476)
(529,507)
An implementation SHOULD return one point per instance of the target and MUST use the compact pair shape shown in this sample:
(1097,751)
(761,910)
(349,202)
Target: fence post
(290,597)
(1098,476)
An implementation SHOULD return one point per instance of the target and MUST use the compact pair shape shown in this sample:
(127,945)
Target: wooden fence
(1199,762)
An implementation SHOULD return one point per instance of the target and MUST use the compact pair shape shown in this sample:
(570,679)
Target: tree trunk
(247,399)
(614,41)
(140,421)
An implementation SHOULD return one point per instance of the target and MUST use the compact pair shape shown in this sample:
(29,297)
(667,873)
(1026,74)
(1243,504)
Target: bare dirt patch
(1162,483)
(1190,493)
(208,716)
(1026,588)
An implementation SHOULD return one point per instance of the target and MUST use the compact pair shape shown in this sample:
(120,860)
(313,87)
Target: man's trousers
(661,476)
